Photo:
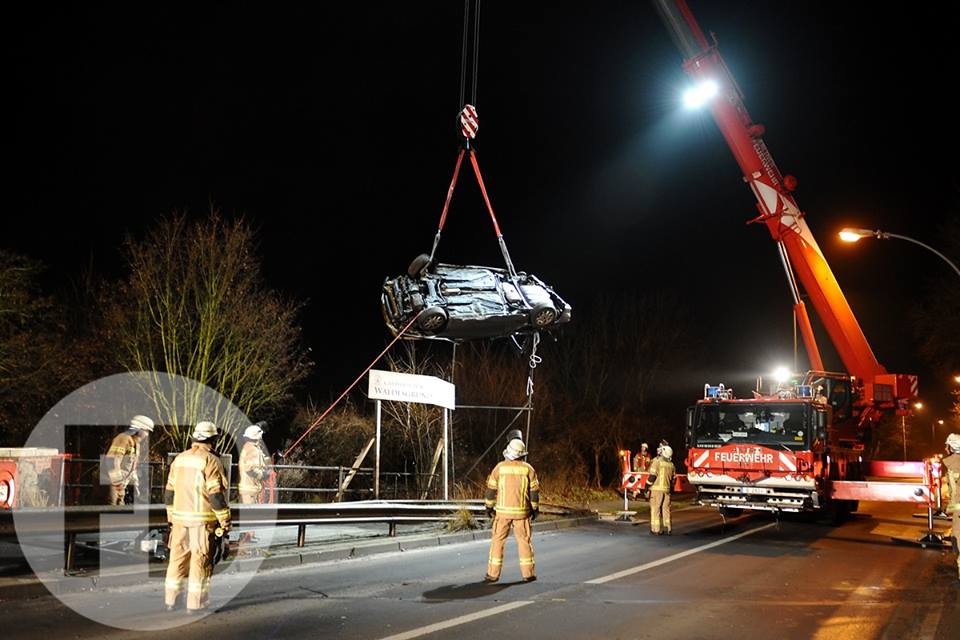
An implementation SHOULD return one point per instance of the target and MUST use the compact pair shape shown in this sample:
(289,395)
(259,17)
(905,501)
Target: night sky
(331,127)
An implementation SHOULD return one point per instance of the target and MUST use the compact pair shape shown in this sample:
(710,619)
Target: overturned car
(466,302)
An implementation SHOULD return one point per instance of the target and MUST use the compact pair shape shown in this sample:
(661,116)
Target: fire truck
(803,446)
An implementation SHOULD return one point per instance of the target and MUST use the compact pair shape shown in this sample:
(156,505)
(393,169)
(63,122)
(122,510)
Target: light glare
(697,96)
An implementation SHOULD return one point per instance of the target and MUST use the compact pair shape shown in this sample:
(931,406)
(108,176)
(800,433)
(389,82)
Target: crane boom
(781,214)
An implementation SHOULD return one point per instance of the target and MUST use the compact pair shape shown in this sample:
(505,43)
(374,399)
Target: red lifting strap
(453,185)
(483,189)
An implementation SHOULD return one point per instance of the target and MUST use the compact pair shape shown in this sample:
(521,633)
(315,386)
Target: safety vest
(122,458)
(253,467)
(513,487)
(951,465)
(665,472)
(195,476)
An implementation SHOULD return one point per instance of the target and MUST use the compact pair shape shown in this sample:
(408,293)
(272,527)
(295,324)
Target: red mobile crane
(794,449)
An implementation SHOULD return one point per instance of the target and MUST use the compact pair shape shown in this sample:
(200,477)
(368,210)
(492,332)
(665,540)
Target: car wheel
(418,266)
(542,315)
(432,320)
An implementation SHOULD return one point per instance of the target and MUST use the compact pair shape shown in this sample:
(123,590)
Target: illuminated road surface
(752,579)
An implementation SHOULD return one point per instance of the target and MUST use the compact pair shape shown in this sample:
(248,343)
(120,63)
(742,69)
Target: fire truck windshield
(777,425)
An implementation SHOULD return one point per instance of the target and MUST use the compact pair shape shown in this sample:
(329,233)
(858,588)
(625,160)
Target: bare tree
(197,307)
(420,426)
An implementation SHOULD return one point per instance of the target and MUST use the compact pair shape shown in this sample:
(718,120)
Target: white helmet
(644,446)
(253,432)
(204,431)
(666,452)
(143,423)
(515,449)
(953,442)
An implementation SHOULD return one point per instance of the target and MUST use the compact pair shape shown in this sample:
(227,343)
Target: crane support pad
(880,491)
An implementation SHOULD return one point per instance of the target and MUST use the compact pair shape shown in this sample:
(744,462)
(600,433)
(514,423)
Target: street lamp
(933,432)
(903,427)
(852,235)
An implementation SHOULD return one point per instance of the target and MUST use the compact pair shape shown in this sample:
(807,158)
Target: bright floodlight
(781,374)
(697,96)
(852,235)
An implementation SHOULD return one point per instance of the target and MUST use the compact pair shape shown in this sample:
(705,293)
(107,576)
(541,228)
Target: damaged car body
(467,302)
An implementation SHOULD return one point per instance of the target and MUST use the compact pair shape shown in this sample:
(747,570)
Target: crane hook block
(469,122)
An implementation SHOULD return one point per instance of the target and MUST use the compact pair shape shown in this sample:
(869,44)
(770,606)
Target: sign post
(408,387)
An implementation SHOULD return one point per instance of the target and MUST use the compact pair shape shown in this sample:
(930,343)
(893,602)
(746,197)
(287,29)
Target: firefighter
(513,501)
(123,459)
(197,510)
(951,468)
(641,461)
(660,484)
(254,468)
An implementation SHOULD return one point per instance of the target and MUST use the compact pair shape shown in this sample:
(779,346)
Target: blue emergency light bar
(710,391)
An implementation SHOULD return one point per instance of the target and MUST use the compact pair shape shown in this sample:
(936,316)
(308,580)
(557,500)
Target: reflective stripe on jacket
(253,467)
(196,477)
(951,468)
(665,472)
(514,489)
(122,458)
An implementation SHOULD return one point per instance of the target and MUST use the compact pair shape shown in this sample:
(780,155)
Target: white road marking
(470,617)
(676,556)
(453,622)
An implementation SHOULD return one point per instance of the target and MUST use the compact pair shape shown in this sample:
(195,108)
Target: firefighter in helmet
(197,509)
(642,460)
(254,468)
(123,459)
(513,501)
(660,484)
(951,469)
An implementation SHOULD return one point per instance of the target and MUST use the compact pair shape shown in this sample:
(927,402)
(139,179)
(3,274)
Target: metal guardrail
(72,521)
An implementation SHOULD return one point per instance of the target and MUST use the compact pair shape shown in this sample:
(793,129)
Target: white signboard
(407,387)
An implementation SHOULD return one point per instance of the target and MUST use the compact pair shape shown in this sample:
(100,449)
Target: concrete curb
(33,587)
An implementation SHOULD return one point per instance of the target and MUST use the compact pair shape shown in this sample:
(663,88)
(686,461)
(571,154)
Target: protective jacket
(951,470)
(122,459)
(253,467)
(197,488)
(665,473)
(513,489)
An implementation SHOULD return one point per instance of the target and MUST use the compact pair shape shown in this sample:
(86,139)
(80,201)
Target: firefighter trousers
(118,494)
(659,511)
(498,538)
(248,498)
(190,565)
(955,532)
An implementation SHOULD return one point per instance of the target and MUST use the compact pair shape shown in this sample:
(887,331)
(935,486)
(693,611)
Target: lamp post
(852,235)
(933,432)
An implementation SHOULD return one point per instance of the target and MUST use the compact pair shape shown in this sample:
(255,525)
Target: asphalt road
(749,579)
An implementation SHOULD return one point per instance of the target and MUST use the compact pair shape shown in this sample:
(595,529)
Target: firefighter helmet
(644,446)
(204,431)
(516,449)
(143,423)
(253,432)
(953,442)
(666,452)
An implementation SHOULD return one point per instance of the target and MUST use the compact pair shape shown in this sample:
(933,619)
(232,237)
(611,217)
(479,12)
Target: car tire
(432,320)
(418,266)
(542,315)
